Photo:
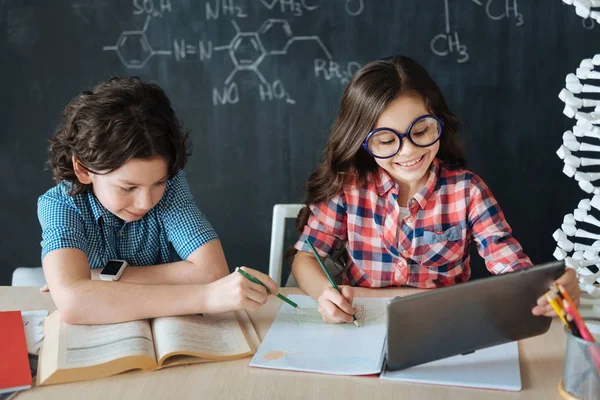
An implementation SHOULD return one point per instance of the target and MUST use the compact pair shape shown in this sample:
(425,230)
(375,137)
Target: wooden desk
(541,357)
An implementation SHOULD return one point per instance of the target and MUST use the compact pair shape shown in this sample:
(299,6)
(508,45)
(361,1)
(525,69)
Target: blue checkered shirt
(170,231)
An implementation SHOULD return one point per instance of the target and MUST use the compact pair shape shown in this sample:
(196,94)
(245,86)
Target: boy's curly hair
(118,120)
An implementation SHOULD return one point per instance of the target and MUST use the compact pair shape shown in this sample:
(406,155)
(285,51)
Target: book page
(215,337)
(300,340)
(88,345)
(33,322)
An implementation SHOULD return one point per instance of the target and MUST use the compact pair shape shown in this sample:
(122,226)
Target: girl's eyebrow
(126,182)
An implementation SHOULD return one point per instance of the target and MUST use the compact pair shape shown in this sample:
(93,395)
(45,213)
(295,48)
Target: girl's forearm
(309,275)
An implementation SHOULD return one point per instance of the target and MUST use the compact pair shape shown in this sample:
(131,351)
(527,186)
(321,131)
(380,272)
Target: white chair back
(23,276)
(280,213)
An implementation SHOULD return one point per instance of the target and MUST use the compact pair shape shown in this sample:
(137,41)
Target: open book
(78,352)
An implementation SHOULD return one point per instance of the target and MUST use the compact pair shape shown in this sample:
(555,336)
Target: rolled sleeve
(62,225)
(186,226)
(495,243)
(326,226)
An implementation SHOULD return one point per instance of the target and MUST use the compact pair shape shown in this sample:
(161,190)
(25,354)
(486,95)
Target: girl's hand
(335,307)
(569,281)
(236,292)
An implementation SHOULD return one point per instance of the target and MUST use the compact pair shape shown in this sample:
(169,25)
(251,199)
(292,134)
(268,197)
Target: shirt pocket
(440,248)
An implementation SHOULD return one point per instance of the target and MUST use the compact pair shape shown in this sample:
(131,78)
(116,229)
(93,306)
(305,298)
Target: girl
(394,187)
(121,194)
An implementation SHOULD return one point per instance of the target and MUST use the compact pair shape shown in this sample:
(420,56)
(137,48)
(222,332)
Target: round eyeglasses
(386,142)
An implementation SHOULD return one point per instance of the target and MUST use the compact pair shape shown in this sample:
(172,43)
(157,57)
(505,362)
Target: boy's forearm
(181,272)
(99,302)
(309,275)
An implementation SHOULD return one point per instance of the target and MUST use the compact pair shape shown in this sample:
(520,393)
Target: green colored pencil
(327,273)
(255,280)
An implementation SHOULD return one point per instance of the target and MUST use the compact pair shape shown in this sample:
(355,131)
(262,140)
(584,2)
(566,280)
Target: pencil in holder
(581,378)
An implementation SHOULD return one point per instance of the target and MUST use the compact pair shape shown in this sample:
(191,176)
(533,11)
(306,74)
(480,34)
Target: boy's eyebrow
(126,182)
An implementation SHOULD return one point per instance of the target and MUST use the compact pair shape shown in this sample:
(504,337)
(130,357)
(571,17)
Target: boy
(117,158)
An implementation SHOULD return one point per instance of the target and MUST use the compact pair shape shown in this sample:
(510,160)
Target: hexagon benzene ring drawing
(252,44)
(246,50)
(133,48)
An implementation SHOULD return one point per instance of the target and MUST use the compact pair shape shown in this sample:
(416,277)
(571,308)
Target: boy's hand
(569,281)
(335,307)
(236,292)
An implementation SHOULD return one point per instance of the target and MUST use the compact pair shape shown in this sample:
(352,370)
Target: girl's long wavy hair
(118,120)
(367,95)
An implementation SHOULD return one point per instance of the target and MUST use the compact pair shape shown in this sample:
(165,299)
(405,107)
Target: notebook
(299,340)
(14,362)
(493,367)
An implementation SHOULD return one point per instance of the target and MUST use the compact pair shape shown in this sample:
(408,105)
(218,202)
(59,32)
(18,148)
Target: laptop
(469,316)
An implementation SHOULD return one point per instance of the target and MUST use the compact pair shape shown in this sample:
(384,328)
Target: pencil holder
(581,378)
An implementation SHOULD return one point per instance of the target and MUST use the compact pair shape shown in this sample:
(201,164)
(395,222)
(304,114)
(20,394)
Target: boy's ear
(83,175)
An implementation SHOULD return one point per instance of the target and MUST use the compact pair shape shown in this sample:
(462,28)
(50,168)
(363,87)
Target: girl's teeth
(411,163)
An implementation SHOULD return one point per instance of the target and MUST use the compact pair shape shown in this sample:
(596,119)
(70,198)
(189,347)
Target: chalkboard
(258,83)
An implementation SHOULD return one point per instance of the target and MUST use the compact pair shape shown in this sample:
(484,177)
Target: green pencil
(255,280)
(327,273)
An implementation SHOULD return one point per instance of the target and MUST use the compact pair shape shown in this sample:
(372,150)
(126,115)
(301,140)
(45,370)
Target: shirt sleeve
(61,222)
(495,243)
(186,226)
(326,226)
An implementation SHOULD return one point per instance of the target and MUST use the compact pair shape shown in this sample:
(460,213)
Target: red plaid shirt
(429,247)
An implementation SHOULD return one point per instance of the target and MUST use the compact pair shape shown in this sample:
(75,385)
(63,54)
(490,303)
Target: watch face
(111,268)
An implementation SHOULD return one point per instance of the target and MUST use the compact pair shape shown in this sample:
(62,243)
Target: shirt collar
(423,195)
(384,182)
(100,211)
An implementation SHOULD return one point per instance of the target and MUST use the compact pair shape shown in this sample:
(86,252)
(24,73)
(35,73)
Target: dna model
(578,239)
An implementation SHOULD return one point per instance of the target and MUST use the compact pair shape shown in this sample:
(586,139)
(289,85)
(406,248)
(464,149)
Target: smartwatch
(113,270)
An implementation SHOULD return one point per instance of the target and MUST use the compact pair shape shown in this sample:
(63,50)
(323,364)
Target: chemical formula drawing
(246,49)
(448,42)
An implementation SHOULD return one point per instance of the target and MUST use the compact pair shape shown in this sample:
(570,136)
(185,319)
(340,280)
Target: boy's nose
(143,202)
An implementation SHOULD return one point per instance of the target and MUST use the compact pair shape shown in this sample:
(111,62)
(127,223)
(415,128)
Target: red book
(15,373)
